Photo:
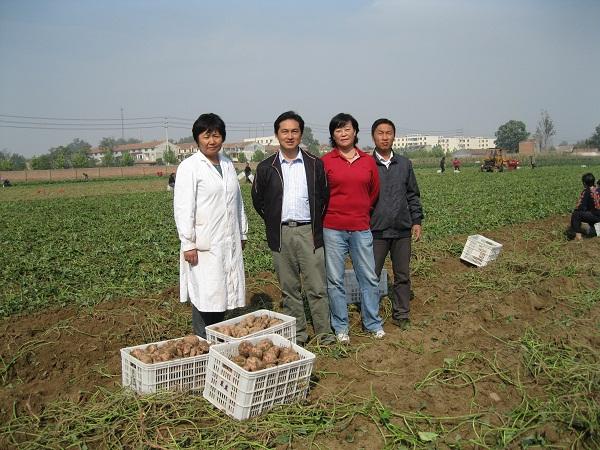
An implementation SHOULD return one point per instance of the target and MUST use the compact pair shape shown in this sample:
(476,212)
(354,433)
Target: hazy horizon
(432,66)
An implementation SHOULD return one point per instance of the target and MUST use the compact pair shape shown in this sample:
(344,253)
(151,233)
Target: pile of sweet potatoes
(175,349)
(263,355)
(248,325)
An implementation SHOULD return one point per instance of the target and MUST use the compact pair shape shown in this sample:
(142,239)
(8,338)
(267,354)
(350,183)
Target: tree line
(75,154)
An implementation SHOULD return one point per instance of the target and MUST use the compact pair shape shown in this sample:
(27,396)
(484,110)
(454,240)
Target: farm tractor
(497,162)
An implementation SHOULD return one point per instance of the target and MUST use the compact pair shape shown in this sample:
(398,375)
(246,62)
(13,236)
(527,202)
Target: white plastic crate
(183,374)
(287,328)
(242,394)
(353,293)
(480,250)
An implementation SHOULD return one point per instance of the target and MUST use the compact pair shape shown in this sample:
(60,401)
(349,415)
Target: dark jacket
(267,196)
(399,205)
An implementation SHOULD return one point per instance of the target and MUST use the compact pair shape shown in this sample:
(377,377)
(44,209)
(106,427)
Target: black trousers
(399,250)
(578,217)
(200,319)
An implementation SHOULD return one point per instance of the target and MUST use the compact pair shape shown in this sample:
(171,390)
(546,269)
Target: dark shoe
(403,324)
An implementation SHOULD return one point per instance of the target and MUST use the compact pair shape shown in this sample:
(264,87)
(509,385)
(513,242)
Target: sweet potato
(244,348)
(253,364)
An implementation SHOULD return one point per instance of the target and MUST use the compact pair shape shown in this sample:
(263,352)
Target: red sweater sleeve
(374,187)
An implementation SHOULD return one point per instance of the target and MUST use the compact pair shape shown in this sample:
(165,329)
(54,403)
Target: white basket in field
(183,374)
(480,250)
(597,227)
(242,394)
(287,328)
(353,293)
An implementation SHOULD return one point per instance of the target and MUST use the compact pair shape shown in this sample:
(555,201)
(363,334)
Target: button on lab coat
(210,217)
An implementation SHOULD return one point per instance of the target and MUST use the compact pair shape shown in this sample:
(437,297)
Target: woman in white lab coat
(212,227)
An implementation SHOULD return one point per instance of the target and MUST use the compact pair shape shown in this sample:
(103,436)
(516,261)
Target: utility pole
(166,136)
(122,126)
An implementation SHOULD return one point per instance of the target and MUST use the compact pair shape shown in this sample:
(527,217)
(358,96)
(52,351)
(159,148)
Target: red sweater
(353,190)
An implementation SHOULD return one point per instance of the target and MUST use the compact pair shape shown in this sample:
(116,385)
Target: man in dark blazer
(290,193)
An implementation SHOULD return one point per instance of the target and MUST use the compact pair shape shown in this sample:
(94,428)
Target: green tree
(186,140)
(109,143)
(78,145)
(12,161)
(170,157)
(108,159)
(437,151)
(309,140)
(127,159)
(242,157)
(594,141)
(544,131)
(81,159)
(159,161)
(258,156)
(42,162)
(510,134)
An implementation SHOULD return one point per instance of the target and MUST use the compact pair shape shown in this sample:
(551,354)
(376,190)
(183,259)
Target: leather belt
(293,223)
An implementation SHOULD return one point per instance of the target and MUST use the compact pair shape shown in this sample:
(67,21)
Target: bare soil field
(464,370)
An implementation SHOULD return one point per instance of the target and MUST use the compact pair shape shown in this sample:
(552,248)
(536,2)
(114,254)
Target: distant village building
(447,143)
(527,147)
(186,149)
(142,152)
(264,140)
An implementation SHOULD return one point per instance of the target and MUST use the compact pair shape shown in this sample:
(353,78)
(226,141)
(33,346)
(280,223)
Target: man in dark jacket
(290,193)
(396,217)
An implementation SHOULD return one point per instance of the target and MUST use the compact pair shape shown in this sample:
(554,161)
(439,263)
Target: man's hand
(416,232)
(191,256)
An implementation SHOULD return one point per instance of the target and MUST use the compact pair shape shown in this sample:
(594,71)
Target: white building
(264,140)
(448,143)
(186,149)
(142,152)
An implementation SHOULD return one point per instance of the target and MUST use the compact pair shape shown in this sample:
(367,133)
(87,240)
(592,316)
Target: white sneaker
(379,334)
(342,338)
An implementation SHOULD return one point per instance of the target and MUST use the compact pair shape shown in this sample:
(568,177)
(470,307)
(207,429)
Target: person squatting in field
(588,206)
(290,193)
(396,217)
(212,227)
(353,189)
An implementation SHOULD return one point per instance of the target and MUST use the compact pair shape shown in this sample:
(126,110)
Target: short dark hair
(380,122)
(289,115)
(208,122)
(338,121)
(588,179)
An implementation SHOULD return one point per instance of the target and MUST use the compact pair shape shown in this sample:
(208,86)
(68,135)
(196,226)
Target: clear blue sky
(429,65)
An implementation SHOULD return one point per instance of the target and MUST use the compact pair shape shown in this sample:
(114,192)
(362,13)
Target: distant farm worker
(353,189)
(171,183)
(290,193)
(248,172)
(587,209)
(532,161)
(396,218)
(443,164)
(456,164)
(212,227)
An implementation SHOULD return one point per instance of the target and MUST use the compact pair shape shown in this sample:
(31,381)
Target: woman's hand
(243,244)
(191,256)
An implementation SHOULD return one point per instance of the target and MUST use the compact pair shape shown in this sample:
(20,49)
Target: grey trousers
(399,250)
(299,267)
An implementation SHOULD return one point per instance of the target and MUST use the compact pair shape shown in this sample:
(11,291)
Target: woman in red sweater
(353,189)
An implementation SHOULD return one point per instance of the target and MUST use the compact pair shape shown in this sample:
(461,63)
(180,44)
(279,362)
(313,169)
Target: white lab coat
(210,217)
